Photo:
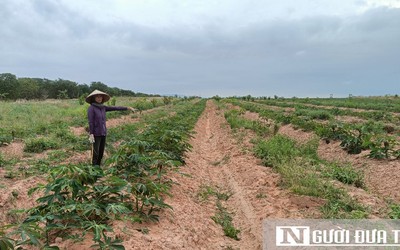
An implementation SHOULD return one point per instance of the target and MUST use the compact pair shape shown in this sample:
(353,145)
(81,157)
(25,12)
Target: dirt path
(216,161)
(381,176)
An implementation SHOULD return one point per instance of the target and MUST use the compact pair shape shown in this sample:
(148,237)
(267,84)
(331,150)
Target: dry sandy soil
(216,160)
(219,159)
(382,177)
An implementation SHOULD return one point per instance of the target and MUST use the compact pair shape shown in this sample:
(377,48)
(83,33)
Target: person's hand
(91,138)
(132,109)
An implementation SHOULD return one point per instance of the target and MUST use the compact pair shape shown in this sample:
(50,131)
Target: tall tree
(69,86)
(28,88)
(9,86)
(99,86)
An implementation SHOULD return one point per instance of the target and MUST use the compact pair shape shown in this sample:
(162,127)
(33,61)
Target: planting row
(354,138)
(304,173)
(387,103)
(80,199)
(369,103)
(329,113)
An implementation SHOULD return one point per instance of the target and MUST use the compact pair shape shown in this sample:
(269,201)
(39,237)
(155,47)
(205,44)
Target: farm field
(193,174)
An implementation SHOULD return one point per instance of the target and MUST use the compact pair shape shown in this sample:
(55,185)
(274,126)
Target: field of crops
(193,173)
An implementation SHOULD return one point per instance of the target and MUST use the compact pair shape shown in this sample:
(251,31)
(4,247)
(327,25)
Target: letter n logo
(293,236)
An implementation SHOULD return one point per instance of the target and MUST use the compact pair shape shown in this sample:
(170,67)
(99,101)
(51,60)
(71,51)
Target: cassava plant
(74,196)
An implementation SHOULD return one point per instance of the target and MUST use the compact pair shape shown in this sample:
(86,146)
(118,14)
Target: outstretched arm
(132,109)
(113,108)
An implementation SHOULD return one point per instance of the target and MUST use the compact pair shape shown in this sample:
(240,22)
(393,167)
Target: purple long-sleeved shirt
(97,118)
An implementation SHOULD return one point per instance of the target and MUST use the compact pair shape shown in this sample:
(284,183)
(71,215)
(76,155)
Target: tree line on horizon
(13,88)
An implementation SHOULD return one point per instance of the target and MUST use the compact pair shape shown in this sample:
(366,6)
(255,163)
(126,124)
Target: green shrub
(277,150)
(113,101)
(394,212)
(383,148)
(38,145)
(82,99)
(5,138)
(345,174)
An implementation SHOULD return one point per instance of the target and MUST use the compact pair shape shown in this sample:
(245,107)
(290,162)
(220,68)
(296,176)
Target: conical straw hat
(90,97)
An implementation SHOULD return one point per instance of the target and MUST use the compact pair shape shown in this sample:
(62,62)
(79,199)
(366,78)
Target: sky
(302,48)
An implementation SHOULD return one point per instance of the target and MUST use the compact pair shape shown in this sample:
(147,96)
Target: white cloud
(205,47)
(384,3)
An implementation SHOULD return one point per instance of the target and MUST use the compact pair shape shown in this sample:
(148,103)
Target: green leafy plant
(394,212)
(345,174)
(224,218)
(81,99)
(6,243)
(75,196)
(352,141)
(5,139)
(383,148)
(276,150)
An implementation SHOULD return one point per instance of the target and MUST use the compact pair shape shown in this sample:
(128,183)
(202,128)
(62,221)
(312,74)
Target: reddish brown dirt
(15,196)
(377,190)
(13,150)
(217,161)
(382,177)
(349,119)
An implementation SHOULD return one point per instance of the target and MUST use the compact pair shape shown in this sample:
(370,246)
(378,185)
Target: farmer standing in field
(97,123)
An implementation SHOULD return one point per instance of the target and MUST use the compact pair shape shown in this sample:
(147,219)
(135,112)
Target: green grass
(236,121)
(300,168)
(224,218)
(32,118)
(344,173)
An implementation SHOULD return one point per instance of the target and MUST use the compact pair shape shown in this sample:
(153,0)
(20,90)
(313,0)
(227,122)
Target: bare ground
(219,161)
(382,177)
(216,160)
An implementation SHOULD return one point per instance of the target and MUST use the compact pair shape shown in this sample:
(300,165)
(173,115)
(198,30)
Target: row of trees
(12,88)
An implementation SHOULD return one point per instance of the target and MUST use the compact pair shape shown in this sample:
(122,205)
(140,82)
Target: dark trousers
(98,149)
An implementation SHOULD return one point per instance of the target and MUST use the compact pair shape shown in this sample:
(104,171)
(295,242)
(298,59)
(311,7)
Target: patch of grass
(3,162)
(299,166)
(276,151)
(236,121)
(345,174)
(10,175)
(224,218)
(394,212)
(222,195)
(206,191)
(58,155)
(345,208)
(38,145)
